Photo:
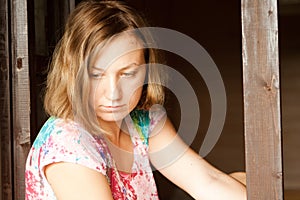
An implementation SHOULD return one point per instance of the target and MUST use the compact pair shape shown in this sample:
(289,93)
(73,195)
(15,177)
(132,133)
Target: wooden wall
(262,105)
(15,98)
(5,112)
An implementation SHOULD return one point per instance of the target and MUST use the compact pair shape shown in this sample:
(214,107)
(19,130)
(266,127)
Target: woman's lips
(113,108)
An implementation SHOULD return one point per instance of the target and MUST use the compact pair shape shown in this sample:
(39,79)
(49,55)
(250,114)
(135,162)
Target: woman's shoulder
(157,113)
(145,121)
(53,126)
(62,140)
(63,131)
(65,140)
(148,116)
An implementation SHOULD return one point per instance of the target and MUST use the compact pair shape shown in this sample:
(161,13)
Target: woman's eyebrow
(132,65)
(97,68)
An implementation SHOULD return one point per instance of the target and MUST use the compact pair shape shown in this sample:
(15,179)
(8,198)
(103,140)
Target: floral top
(65,141)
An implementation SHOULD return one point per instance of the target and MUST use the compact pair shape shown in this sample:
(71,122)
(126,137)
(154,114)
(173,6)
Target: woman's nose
(112,89)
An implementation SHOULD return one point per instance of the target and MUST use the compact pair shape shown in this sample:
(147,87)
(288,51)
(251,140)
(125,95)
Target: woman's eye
(128,74)
(96,75)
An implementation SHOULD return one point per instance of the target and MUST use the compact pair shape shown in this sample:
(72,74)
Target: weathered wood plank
(262,118)
(5,125)
(20,94)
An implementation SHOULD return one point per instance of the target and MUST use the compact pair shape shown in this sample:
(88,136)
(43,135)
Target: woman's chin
(112,117)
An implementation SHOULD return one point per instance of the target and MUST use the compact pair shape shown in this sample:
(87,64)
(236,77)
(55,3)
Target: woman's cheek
(94,95)
(135,97)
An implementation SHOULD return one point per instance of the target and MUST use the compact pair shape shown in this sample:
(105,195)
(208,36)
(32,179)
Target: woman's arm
(188,170)
(240,176)
(71,181)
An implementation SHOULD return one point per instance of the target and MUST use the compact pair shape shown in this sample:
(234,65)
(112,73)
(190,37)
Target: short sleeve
(70,143)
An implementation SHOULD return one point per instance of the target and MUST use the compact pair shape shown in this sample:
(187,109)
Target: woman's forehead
(120,46)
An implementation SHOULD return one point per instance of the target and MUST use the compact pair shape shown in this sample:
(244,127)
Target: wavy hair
(68,85)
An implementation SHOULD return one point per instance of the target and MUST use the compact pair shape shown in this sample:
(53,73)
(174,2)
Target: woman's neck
(119,144)
(113,130)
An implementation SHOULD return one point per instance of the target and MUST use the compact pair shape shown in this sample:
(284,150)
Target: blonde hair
(68,86)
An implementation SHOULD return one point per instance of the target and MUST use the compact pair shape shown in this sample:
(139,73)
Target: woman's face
(117,76)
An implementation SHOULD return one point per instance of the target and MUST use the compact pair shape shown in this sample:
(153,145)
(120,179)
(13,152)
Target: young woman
(106,124)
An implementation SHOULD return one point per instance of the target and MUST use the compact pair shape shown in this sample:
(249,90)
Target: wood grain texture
(262,120)
(20,94)
(5,125)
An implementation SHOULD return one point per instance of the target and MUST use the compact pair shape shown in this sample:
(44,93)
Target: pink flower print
(31,184)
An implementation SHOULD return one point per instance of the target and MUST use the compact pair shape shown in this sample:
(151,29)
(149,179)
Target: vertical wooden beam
(20,93)
(262,99)
(5,115)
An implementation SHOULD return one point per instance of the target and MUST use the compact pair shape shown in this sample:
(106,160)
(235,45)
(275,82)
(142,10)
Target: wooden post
(5,115)
(262,99)
(20,93)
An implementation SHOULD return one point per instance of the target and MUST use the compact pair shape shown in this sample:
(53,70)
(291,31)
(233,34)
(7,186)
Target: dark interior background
(216,26)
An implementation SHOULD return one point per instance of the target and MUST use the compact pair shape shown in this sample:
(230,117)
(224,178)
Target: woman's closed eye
(96,75)
(99,75)
(128,74)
